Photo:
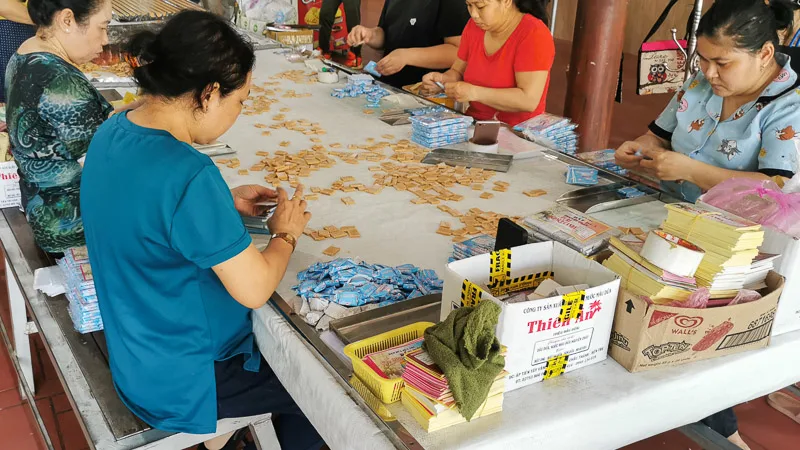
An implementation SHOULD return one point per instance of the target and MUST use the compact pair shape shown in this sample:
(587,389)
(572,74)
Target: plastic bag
(698,300)
(745,296)
(761,201)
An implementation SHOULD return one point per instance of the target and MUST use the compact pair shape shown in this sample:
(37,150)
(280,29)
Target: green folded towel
(465,347)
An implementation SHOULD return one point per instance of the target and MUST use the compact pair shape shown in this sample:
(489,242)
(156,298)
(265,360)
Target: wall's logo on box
(619,340)
(656,352)
(688,322)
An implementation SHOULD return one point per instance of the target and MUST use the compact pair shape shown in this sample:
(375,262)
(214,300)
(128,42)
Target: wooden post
(596,51)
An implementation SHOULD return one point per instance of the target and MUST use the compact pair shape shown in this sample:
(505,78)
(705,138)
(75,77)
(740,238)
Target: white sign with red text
(545,337)
(10,195)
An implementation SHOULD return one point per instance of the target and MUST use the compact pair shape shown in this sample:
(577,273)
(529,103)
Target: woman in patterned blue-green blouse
(53,112)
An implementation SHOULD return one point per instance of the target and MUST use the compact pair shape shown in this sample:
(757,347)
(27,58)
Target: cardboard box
(10,195)
(545,337)
(291,37)
(652,336)
(787,319)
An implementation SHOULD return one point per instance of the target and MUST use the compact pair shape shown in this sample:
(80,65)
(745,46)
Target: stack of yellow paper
(639,280)
(731,244)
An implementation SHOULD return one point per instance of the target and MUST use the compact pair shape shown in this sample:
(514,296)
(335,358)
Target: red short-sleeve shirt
(530,48)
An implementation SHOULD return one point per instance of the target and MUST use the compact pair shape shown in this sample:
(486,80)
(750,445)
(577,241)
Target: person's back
(135,182)
(176,272)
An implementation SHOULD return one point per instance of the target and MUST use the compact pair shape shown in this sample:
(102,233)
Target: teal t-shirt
(157,216)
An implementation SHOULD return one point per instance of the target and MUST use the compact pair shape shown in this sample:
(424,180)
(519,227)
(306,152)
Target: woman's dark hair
(195,49)
(536,8)
(750,23)
(43,11)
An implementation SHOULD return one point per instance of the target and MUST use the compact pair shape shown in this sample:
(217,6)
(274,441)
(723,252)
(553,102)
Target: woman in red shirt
(504,61)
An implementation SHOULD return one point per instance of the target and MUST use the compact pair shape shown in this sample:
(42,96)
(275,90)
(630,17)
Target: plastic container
(328,77)
(387,390)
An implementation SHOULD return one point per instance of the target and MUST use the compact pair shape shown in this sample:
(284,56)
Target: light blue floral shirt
(762,136)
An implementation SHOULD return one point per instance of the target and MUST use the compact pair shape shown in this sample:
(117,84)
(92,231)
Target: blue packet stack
(604,159)
(479,245)
(439,129)
(581,176)
(351,284)
(80,291)
(558,132)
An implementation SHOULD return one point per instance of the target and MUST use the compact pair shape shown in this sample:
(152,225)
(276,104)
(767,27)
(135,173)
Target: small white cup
(482,148)
(328,77)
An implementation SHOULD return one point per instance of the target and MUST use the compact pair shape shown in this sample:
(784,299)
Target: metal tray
(602,198)
(453,157)
(371,323)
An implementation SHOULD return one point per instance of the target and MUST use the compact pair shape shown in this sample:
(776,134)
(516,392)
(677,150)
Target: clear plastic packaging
(761,201)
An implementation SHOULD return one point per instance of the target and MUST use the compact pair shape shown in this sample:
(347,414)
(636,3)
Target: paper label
(10,194)
(568,344)
(578,226)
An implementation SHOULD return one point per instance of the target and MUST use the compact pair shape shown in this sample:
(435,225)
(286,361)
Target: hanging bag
(662,64)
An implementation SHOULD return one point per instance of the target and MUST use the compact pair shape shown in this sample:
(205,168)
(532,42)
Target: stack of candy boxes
(80,291)
(439,129)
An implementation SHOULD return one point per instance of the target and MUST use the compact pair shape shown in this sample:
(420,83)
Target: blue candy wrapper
(372,69)
(581,176)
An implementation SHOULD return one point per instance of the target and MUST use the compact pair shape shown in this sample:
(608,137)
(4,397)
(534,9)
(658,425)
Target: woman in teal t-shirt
(175,270)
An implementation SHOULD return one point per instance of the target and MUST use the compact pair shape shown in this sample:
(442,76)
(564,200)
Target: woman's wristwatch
(291,240)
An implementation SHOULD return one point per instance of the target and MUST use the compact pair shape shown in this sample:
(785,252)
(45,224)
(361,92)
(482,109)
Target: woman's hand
(429,86)
(290,216)
(393,62)
(461,91)
(667,165)
(360,35)
(245,199)
(626,155)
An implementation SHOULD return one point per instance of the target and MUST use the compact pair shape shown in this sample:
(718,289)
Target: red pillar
(596,51)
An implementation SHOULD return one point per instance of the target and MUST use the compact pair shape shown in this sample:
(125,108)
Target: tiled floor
(761,426)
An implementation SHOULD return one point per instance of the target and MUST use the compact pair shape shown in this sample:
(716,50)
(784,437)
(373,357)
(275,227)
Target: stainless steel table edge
(396,433)
(90,416)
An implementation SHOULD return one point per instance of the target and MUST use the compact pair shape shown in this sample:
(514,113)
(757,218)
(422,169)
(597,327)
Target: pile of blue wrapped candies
(80,291)
(349,283)
(478,245)
(439,129)
(631,192)
(361,84)
(558,132)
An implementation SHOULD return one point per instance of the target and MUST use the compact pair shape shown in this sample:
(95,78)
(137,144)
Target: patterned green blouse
(52,113)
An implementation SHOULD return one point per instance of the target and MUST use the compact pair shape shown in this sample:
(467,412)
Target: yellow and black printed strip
(470,293)
(531,281)
(555,366)
(571,305)
(499,267)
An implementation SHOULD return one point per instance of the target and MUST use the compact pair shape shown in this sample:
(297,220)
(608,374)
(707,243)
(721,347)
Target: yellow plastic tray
(387,390)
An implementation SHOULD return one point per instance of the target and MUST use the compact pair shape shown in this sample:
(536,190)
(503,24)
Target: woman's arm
(673,166)
(15,11)
(251,277)
(523,98)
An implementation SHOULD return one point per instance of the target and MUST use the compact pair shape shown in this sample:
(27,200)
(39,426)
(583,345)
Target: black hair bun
(42,12)
(142,46)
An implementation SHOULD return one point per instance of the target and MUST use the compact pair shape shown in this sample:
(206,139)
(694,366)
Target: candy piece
(331,251)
